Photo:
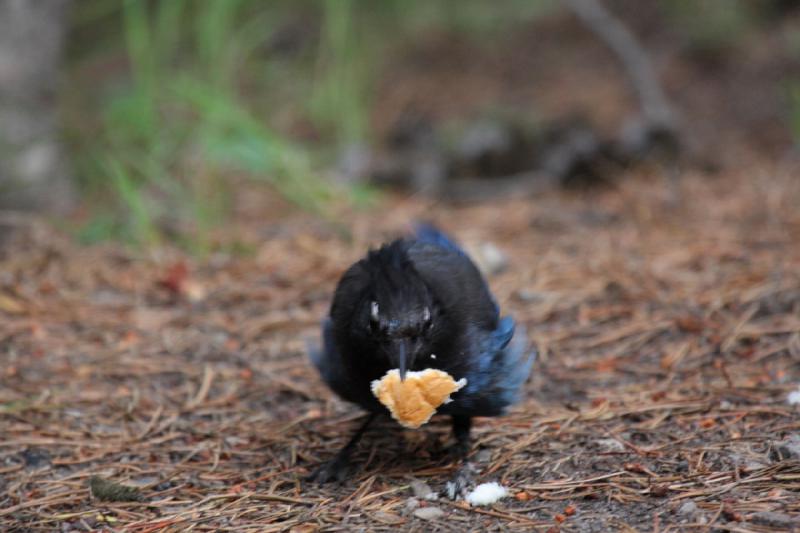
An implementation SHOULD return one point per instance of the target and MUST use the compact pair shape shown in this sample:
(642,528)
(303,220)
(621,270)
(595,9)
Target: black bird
(417,303)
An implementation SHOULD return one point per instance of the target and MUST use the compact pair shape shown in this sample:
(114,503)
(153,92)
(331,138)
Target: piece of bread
(412,402)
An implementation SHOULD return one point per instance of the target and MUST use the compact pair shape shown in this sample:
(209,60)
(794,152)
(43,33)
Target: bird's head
(399,320)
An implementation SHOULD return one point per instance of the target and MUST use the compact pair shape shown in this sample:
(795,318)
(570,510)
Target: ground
(665,308)
(666,314)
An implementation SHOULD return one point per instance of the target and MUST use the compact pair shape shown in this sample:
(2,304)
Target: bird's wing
(328,361)
(500,365)
(512,364)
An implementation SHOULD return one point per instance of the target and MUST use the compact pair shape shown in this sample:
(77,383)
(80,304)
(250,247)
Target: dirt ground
(666,313)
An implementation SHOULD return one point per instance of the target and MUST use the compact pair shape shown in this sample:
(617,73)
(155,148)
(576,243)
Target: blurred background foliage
(168,100)
(169,103)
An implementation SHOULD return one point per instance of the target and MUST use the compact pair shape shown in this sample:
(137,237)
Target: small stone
(483,456)
(611,445)
(411,504)
(491,259)
(777,520)
(529,296)
(144,481)
(388,518)
(688,509)
(793,397)
(429,513)
(421,489)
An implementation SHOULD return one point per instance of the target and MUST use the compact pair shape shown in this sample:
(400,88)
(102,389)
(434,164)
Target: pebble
(429,513)
(483,456)
(411,504)
(388,518)
(773,519)
(489,259)
(688,508)
(421,490)
(611,445)
(794,397)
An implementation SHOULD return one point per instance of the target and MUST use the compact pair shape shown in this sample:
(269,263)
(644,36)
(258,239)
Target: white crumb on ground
(487,494)
(794,397)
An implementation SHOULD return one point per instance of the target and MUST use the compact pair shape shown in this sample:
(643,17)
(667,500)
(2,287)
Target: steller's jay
(418,303)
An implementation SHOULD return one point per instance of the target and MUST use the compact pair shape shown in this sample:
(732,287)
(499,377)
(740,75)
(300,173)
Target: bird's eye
(426,318)
(374,318)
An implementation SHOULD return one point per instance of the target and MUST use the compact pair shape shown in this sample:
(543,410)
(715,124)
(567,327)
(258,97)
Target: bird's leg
(461,428)
(336,468)
(463,477)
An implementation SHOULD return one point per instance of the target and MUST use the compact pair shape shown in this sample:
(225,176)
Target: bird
(419,302)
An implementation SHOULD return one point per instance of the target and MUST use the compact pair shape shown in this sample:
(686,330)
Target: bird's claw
(335,469)
(461,482)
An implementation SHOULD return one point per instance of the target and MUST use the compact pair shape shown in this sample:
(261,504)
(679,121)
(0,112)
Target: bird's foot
(459,450)
(462,481)
(335,469)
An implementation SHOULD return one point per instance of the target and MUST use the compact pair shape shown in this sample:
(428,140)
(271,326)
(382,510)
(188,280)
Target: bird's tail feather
(515,367)
(427,232)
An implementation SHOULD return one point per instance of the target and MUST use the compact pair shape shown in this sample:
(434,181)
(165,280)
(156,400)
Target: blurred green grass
(171,102)
(171,105)
(157,143)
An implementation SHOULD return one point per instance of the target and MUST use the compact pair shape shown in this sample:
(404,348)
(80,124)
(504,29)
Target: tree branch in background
(652,100)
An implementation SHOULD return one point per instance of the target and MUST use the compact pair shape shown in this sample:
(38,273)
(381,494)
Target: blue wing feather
(502,362)
(328,360)
(425,232)
(514,368)
(501,366)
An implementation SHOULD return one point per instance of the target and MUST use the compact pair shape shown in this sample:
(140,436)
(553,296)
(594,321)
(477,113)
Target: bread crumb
(487,494)
(414,401)
(794,397)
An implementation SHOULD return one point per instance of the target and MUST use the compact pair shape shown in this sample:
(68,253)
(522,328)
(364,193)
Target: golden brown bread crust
(412,402)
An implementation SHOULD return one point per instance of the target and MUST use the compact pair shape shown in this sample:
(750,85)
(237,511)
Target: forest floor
(666,314)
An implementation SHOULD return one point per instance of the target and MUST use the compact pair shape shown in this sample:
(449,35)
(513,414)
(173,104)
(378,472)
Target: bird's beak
(404,357)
